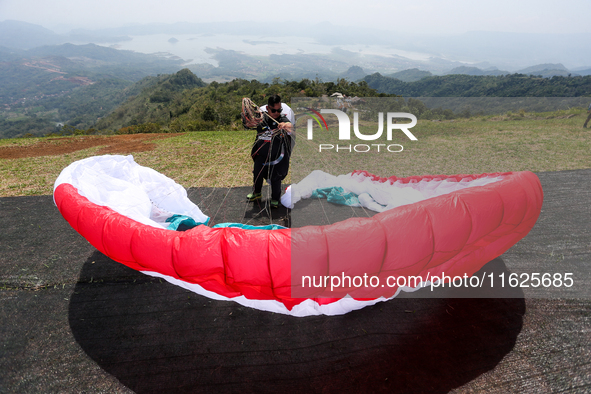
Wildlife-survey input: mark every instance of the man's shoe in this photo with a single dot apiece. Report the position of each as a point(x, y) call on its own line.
point(274, 204)
point(253, 197)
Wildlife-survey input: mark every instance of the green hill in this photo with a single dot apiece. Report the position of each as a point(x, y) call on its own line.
point(182, 102)
point(44, 87)
point(513, 85)
point(476, 71)
point(158, 100)
point(411, 75)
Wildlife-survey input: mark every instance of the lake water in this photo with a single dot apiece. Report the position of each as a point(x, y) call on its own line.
point(191, 47)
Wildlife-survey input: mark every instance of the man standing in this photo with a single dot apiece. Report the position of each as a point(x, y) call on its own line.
point(271, 151)
point(588, 117)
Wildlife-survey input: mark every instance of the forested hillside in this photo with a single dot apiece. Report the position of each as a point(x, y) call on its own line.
point(43, 88)
point(92, 102)
point(512, 85)
point(410, 75)
point(182, 102)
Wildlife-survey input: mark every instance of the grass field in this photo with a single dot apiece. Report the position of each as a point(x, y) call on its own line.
point(535, 142)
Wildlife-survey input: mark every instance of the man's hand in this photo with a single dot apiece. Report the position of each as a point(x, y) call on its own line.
point(285, 126)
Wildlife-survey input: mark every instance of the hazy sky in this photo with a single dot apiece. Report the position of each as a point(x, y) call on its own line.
point(413, 16)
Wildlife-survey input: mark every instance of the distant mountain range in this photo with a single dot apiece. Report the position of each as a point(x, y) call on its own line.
point(472, 53)
point(544, 70)
point(466, 85)
point(23, 35)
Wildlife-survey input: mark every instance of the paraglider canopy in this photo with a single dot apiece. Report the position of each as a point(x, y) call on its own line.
point(431, 225)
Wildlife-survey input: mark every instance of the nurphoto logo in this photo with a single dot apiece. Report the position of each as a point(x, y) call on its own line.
point(345, 130)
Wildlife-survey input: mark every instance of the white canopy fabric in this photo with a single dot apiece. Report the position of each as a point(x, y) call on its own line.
point(378, 196)
point(138, 192)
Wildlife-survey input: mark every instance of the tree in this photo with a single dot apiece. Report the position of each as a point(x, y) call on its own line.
point(208, 114)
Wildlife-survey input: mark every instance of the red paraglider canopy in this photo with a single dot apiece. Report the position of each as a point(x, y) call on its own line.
point(453, 234)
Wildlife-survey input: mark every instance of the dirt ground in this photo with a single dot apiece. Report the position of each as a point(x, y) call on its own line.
point(116, 144)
